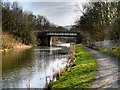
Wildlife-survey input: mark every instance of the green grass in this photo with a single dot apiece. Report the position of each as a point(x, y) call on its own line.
point(81, 74)
point(113, 51)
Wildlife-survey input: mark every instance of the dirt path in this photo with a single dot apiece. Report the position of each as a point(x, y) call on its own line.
point(108, 73)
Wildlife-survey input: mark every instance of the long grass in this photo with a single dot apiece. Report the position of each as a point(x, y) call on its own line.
point(10, 42)
point(112, 51)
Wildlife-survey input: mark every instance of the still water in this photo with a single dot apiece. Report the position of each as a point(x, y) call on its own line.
point(29, 68)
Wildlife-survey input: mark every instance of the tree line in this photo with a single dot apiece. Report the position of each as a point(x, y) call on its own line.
point(100, 21)
point(22, 24)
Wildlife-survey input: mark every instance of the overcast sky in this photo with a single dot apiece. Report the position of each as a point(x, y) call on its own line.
point(59, 12)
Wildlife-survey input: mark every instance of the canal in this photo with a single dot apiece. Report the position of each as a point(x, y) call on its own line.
point(29, 68)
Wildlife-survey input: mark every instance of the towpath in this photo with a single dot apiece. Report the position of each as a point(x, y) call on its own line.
point(108, 72)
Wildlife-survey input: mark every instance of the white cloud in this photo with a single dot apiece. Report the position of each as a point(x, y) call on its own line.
point(60, 13)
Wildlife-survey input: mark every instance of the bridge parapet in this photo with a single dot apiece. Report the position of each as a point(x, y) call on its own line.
point(46, 35)
point(54, 31)
point(62, 34)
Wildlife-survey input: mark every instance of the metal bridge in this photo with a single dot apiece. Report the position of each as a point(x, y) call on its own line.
point(44, 36)
point(61, 34)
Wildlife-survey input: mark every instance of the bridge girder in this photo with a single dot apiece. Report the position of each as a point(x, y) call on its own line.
point(45, 36)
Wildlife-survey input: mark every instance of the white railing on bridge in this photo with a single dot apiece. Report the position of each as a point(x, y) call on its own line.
point(63, 34)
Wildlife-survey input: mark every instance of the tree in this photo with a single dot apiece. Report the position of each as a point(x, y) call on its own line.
point(18, 23)
point(99, 21)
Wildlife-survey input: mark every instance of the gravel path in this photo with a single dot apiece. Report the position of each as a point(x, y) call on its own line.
point(108, 73)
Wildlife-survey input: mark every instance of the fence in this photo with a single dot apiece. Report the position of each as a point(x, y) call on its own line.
point(108, 43)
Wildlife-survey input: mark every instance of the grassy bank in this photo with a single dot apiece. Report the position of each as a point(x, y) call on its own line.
point(80, 74)
point(9, 42)
point(113, 51)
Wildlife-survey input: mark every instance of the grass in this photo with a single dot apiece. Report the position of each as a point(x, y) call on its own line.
point(9, 42)
point(113, 51)
point(80, 74)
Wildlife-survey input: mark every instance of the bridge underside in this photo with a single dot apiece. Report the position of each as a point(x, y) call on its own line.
point(44, 39)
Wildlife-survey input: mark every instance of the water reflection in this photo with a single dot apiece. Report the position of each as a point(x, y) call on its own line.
point(29, 68)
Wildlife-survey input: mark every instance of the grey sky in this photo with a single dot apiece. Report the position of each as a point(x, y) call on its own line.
point(60, 12)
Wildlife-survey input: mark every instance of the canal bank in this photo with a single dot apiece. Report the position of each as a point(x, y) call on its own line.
point(36, 67)
point(80, 74)
point(10, 43)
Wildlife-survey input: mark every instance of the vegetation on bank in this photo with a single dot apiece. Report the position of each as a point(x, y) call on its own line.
point(18, 23)
point(100, 21)
point(113, 51)
point(9, 42)
point(80, 74)
point(22, 24)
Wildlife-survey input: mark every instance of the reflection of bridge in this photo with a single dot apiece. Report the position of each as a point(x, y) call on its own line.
point(44, 36)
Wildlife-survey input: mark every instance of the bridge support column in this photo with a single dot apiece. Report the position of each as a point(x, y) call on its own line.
point(78, 38)
point(44, 40)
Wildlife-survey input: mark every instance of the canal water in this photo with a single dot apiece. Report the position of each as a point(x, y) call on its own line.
point(29, 68)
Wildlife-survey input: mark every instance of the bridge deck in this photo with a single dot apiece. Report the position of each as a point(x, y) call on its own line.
point(62, 34)
point(47, 31)
point(58, 33)
point(45, 36)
